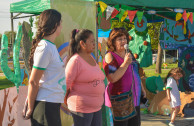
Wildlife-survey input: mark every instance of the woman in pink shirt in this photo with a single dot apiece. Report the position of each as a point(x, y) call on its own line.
point(84, 79)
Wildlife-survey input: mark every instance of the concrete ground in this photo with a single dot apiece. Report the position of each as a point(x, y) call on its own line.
point(157, 120)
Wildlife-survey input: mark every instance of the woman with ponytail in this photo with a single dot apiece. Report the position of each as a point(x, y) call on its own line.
point(47, 76)
point(84, 80)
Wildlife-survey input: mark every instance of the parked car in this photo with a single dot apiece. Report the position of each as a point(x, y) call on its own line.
point(169, 58)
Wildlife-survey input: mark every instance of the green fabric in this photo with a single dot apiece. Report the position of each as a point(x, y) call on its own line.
point(169, 88)
point(137, 47)
point(159, 83)
point(153, 3)
point(39, 68)
point(30, 6)
point(154, 84)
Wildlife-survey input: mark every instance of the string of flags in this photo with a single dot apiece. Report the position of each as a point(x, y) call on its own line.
point(185, 17)
point(113, 12)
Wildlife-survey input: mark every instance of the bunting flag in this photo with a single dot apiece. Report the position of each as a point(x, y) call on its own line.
point(188, 14)
point(121, 14)
point(114, 13)
point(185, 16)
point(178, 16)
point(185, 30)
point(191, 18)
point(124, 16)
point(109, 11)
point(131, 15)
point(139, 16)
point(103, 6)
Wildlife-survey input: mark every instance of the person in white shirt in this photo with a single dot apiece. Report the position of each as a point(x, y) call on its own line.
point(172, 82)
point(47, 78)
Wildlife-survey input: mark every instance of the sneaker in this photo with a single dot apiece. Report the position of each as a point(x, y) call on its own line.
point(171, 124)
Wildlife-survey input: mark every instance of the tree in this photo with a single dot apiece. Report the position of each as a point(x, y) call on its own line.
point(8, 34)
point(159, 60)
point(36, 22)
point(154, 31)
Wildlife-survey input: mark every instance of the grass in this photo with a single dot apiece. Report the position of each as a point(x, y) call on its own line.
point(150, 71)
point(5, 83)
point(169, 66)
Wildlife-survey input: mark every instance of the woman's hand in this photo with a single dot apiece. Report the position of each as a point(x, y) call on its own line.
point(127, 59)
point(28, 114)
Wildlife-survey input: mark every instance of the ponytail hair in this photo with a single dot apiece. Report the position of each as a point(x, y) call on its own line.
point(48, 22)
point(76, 37)
point(174, 71)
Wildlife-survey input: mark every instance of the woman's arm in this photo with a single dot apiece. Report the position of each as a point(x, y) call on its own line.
point(114, 77)
point(33, 88)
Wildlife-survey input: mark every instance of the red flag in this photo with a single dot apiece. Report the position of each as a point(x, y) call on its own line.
point(185, 16)
point(114, 13)
point(131, 15)
point(191, 18)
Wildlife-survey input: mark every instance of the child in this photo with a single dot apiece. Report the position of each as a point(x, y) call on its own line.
point(173, 92)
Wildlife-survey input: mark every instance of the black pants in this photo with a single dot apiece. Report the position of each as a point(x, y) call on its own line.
point(46, 114)
point(87, 119)
point(135, 121)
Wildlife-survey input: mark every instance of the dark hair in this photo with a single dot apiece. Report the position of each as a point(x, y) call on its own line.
point(76, 37)
point(116, 32)
point(48, 22)
point(173, 71)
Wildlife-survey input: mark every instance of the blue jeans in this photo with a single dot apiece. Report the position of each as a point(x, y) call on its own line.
point(87, 119)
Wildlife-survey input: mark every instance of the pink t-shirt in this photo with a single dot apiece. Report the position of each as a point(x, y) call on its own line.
point(86, 83)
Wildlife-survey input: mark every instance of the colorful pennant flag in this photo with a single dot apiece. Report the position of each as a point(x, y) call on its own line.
point(178, 16)
point(185, 16)
point(131, 15)
point(188, 14)
point(139, 16)
point(121, 14)
point(109, 11)
point(124, 16)
point(114, 13)
point(103, 6)
point(185, 30)
point(191, 18)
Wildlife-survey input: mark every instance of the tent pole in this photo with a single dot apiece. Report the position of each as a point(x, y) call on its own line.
point(12, 30)
point(16, 15)
point(96, 52)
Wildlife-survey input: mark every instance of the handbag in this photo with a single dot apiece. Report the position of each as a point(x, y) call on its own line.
point(122, 105)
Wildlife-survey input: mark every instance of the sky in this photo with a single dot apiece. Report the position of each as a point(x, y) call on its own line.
point(5, 21)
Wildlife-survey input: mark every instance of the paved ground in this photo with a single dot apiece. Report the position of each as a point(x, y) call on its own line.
point(157, 120)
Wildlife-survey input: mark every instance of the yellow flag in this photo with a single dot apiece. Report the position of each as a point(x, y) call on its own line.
point(188, 14)
point(103, 6)
point(124, 16)
point(178, 16)
point(185, 30)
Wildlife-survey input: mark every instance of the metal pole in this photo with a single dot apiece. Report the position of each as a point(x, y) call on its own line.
point(12, 30)
point(96, 52)
point(164, 56)
point(177, 54)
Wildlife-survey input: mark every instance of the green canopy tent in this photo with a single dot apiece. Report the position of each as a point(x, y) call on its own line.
point(164, 8)
point(30, 7)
